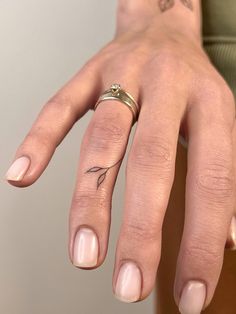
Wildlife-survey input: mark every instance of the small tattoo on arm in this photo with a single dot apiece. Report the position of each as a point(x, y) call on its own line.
point(188, 4)
point(103, 171)
point(165, 5)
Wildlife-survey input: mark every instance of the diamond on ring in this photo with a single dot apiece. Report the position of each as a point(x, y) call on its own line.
point(115, 88)
point(115, 92)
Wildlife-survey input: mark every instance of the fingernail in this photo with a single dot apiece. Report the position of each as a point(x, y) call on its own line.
point(193, 298)
point(233, 234)
point(18, 169)
point(85, 248)
point(128, 285)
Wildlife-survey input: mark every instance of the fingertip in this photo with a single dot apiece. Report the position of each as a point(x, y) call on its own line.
point(18, 169)
point(231, 239)
point(193, 297)
point(24, 171)
point(20, 184)
point(16, 175)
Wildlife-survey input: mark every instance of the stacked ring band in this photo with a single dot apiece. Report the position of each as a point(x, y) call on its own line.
point(117, 93)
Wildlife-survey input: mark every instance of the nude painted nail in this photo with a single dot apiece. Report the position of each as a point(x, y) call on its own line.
point(85, 248)
point(232, 231)
point(128, 285)
point(193, 298)
point(18, 169)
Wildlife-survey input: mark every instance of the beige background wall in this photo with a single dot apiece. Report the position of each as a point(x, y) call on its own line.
point(42, 44)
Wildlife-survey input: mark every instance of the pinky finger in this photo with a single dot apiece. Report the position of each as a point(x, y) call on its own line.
point(54, 121)
point(231, 239)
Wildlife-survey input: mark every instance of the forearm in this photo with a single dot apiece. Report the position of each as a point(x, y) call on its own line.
point(180, 16)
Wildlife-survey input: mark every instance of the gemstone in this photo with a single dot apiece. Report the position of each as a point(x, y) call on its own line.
point(115, 88)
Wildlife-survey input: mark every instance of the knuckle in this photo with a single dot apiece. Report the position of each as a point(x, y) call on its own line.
point(216, 182)
point(228, 93)
point(85, 203)
point(151, 153)
point(165, 56)
point(131, 57)
point(212, 84)
point(59, 99)
point(38, 136)
point(141, 230)
point(170, 68)
point(229, 100)
point(60, 108)
point(210, 90)
point(205, 254)
point(217, 93)
point(216, 100)
point(167, 61)
point(103, 134)
point(62, 103)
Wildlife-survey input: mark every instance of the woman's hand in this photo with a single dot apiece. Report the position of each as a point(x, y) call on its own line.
point(166, 70)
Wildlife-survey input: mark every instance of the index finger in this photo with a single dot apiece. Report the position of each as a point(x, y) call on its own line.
point(54, 121)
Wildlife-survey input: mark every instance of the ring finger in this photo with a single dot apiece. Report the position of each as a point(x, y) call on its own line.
point(102, 150)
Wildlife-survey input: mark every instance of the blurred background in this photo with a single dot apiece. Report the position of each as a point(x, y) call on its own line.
point(42, 44)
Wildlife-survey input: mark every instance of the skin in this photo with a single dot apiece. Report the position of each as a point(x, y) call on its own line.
point(224, 297)
point(157, 56)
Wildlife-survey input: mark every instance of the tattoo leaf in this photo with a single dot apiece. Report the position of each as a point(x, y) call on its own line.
point(101, 179)
point(166, 4)
point(188, 4)
point(94, 169)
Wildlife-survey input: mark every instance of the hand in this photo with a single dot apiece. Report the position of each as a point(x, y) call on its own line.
point(179, 91)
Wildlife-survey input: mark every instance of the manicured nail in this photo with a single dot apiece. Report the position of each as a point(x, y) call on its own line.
point(128, 285)
point(193, 298)
point(233, 234)
point(18, 169)
point(85, 248)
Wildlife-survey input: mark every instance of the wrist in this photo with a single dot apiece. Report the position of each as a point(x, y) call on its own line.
point(179, 18)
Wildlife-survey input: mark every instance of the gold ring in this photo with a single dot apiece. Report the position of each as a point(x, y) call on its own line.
point(117, 93)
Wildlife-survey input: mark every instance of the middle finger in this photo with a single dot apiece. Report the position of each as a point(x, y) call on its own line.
point(150, 174)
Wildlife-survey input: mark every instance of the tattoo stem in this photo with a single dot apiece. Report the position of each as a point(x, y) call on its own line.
point(102, 176)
